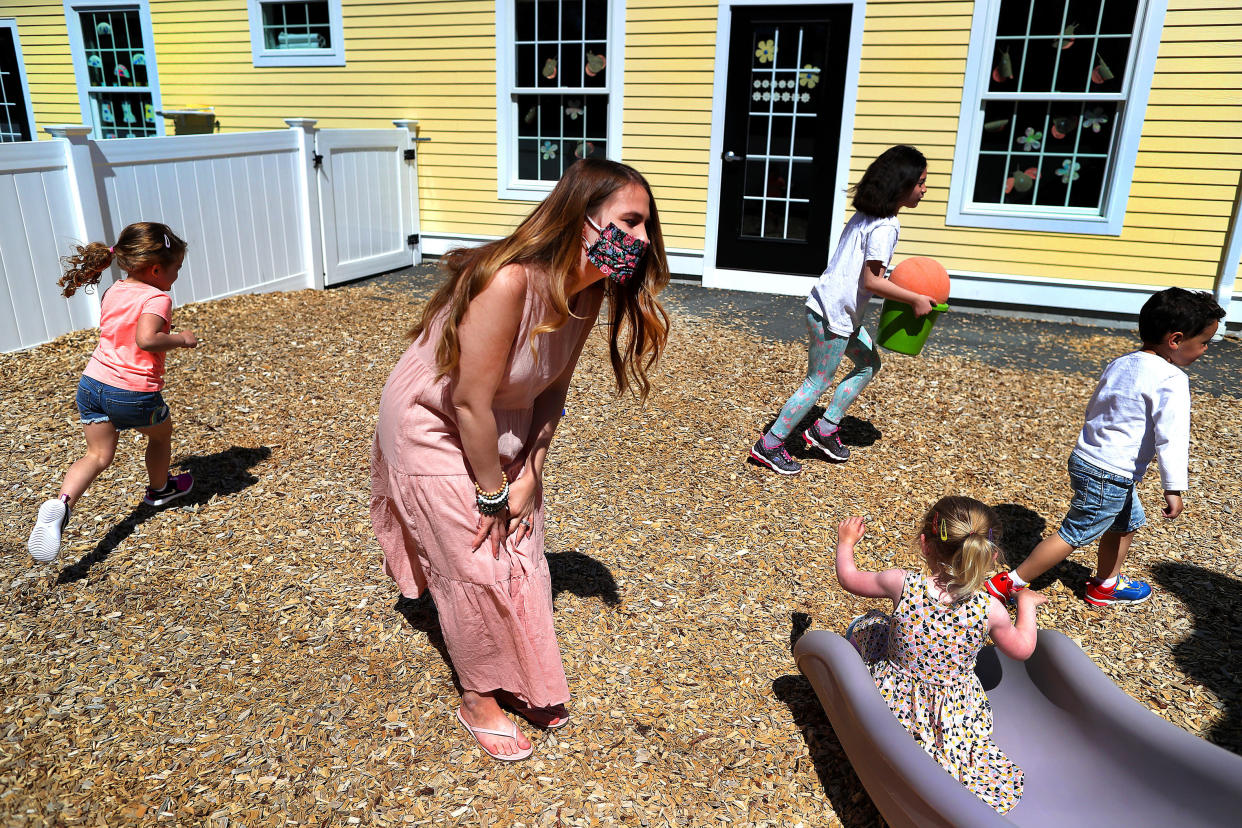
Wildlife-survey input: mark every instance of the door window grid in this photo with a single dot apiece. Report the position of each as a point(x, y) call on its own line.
point(14, 124)
point(558, 140)
point(1053, 184)
point(116, 60)
point(787, 200)
point(305, 25)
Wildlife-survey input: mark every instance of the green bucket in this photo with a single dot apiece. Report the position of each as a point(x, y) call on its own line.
point(902, 331)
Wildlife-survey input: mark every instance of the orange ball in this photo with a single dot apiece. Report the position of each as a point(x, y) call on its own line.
point(923, 275)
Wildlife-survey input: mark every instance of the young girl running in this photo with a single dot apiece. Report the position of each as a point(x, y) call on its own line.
point(120, 387)
point(898, 178)
point(922, 657)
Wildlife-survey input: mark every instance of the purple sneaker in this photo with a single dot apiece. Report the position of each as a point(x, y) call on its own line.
point(829, 444)
point(178, 485)
point(776, 459)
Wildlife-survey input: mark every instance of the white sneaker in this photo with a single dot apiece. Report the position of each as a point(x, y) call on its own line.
point(44, 543)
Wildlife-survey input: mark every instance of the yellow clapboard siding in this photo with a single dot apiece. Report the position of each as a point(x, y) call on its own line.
point(1038, 243)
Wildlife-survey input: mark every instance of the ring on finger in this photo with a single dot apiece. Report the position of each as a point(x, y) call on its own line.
point(525, 522)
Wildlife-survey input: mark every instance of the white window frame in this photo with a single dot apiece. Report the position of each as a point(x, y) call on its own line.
point(11, 23)
point(509, 186)
point(1132, 106)
point(77, 51)
point(262, 56)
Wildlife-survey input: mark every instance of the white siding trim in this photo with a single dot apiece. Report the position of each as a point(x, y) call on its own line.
point(11, 23)
point(1139, 72)
point(77, 51)
point(508, 185)
point(718, 277)
point(263, 56)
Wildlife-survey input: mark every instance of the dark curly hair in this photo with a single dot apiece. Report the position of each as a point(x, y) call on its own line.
point(1177, 309)
point(888, 180)
point(141, 244)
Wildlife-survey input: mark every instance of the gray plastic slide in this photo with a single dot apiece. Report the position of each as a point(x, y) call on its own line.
point(1092, 755)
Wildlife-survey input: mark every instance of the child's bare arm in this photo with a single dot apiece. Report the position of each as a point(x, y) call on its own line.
point(886, 584)
point(149, 335)
point(1015, 640)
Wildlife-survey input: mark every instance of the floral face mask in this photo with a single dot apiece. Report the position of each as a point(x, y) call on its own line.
point(616, 253)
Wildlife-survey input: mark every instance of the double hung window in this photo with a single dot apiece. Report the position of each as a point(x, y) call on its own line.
point(16, 118)
point(296, 33)
point(1052, 110)
point(115, 67)
point(557, 100)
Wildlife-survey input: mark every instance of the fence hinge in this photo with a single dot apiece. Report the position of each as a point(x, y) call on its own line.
point(412, 240)
point(318, 159)
point(410, 154)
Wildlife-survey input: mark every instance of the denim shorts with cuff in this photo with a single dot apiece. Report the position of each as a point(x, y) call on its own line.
point(1102, 502)
point(99, 403)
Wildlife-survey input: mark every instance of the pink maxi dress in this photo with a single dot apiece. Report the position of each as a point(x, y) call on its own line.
point(496, 615)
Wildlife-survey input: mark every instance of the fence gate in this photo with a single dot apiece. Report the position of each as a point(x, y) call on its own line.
point(368, 198)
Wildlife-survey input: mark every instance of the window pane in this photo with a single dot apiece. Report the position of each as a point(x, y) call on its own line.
point(123, 114)
point(303, 25)
point(556, 130)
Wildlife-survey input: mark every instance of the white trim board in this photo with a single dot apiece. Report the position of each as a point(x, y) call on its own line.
point(718, 277)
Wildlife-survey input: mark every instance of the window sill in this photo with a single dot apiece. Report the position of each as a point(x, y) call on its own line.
point(299, 57)
point(1084, 225)
point(526, 191)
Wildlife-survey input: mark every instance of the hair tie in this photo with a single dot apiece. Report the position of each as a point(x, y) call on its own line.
point(109, 249)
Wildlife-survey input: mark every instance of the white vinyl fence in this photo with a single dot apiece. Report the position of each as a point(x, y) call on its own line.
point(261, 211)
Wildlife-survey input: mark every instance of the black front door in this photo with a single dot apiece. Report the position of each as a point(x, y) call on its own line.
point(783, 100)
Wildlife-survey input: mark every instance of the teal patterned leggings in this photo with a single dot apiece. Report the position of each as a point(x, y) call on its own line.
point(825, 352)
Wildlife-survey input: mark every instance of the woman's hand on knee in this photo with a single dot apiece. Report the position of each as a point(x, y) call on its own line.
point(494, 527)
point(524, 496)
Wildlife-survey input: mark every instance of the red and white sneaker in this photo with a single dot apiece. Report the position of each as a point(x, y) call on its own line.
point(1001, 587)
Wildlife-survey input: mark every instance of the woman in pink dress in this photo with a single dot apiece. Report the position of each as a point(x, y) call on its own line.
point(468, 414)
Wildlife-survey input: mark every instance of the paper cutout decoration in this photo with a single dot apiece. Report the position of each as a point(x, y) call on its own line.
point(1021, 180)
point(809, 76)
point(529, 117)
point(594, 64)
point(1066, 39)
point(139, 59)
point(105, 112)
point(549, 68)
point(584, 149)
point(548, 150)
point(573, 109)
point(1062, 127)
point(1031, 139)
point(103, 29)
point(1003, 70)
point(995, 126)
point(1068, 171)
point(766, 51)
point(1101, 72)
point(148, 112)
point(94, 61)
point(122, 72)
point(1095, 118)
point(127, 113)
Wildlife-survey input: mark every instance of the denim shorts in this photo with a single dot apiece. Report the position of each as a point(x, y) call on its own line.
point(99, 403)
point(1102, 502)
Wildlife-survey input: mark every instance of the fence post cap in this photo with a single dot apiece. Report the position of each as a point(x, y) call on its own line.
point(301, 123)
point(66, 130)
point(407, 123)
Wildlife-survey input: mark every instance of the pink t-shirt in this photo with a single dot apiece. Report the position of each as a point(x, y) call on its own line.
point(118, 361)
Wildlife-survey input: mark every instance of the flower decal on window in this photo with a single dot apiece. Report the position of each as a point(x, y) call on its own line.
point(809, 76)
point(766, 51)
point(1068, 171)
point(573, 109)
point(548, 150)
point(1031, 140)
point(1095, 118)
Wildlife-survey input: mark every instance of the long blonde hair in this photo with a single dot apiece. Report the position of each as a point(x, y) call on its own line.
point(551, 238)
point(140, 244)
point(962, 538)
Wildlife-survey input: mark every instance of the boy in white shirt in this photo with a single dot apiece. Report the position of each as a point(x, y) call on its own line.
point(1140, 410)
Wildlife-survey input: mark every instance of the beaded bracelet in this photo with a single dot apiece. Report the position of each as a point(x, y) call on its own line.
point(493, 503)
point(504, 484)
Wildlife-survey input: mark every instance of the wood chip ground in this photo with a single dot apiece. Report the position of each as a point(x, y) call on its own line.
point(241, 659)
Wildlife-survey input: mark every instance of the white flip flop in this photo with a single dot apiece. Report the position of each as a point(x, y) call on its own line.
point(513, 734)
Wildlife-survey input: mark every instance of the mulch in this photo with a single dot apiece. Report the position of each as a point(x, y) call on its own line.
point(240, 658)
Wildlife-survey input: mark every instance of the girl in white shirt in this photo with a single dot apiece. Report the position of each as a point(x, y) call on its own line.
point(898, 178)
